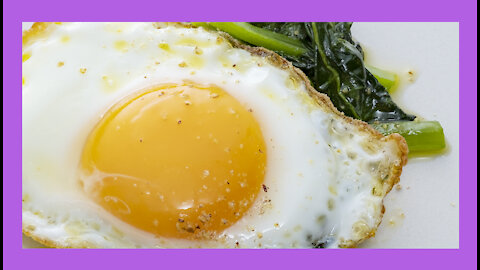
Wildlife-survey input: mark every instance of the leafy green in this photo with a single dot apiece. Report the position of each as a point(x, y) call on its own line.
point(335, 67)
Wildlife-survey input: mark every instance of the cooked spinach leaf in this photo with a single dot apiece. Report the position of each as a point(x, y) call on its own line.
point(335, 66)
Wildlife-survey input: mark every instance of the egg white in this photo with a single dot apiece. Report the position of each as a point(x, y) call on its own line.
point(322, 170)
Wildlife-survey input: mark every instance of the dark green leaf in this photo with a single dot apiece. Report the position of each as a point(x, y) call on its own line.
point(335, 67)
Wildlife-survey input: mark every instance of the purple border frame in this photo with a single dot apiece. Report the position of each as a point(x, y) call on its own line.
point(463, 11)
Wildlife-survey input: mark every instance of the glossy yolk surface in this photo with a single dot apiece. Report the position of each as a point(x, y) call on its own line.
point(181, 161)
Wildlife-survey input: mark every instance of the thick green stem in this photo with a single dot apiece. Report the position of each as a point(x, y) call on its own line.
point(421, 136)
point(386, 78)
point(260, 37)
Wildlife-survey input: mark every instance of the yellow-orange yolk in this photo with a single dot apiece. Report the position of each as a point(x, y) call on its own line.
point(182, 161)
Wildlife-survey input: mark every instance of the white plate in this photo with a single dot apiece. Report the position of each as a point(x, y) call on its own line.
point(424, 213)
point(430, 186)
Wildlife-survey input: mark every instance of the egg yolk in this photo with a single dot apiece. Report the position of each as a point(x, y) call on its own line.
point(181, 161)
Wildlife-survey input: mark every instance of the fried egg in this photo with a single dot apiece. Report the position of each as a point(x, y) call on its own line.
point(161, 135)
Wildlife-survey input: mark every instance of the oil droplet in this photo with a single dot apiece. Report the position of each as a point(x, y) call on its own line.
point(121, 45)
point(26, 56)
point(331, 204)
point(195, 61)
point(165, 47)
point(193, 42)
point(65, 39)
point(333, 190)
point(291, 83)
point(411, 75)
point(109, 84)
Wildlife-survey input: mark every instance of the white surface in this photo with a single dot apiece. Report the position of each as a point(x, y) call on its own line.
point(429, 195)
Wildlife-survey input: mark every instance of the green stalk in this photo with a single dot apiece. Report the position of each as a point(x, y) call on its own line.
point(260, 37)
point(386, 78)
point(421, 136)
